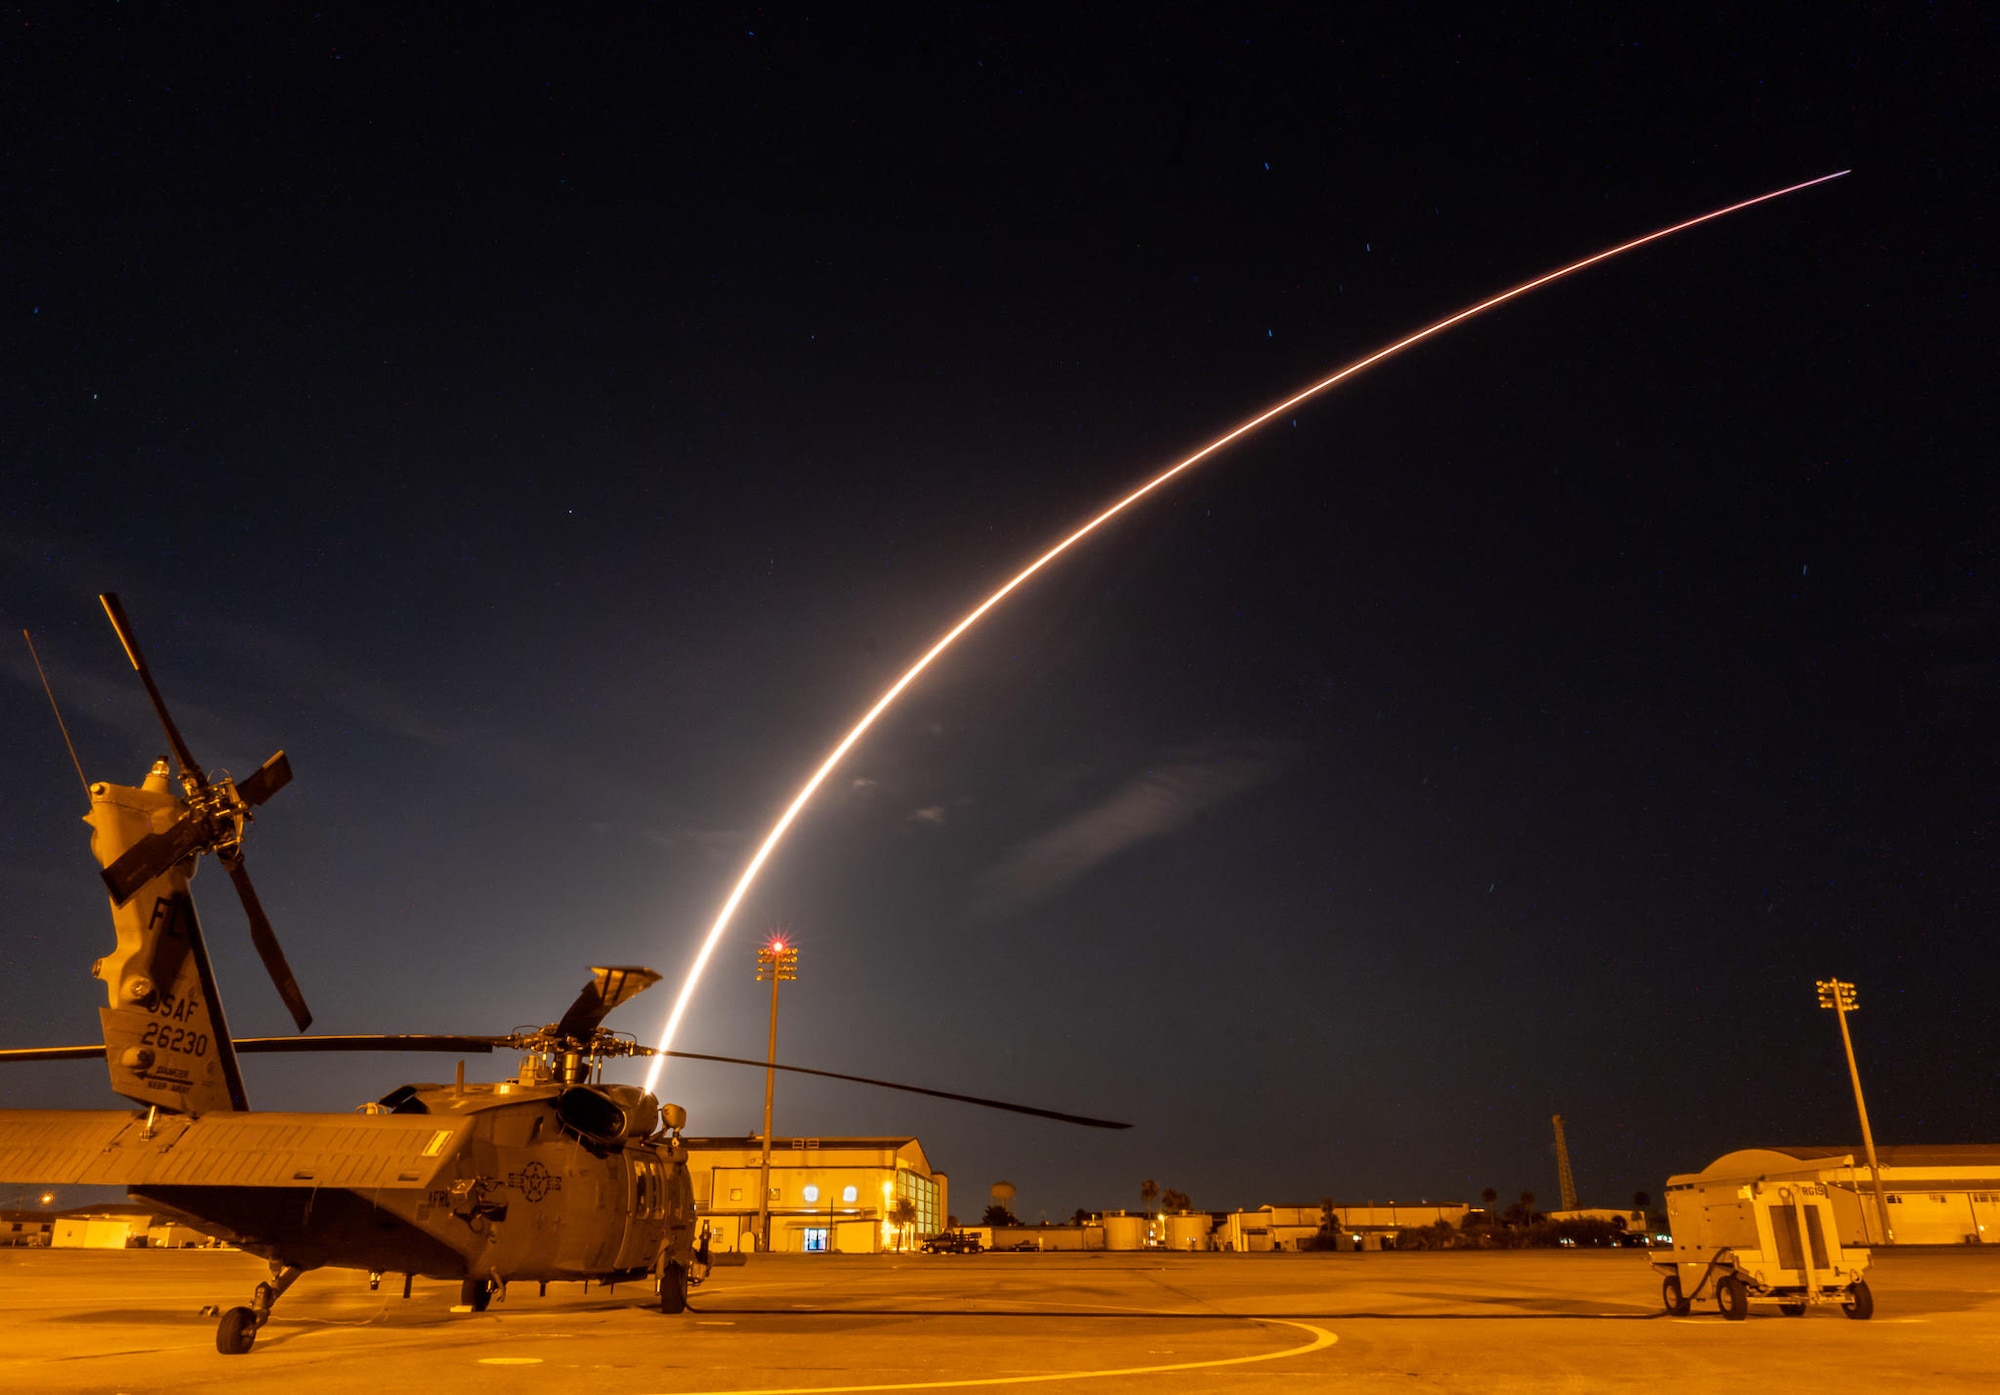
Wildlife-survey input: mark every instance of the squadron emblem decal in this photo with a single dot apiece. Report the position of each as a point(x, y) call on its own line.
point(534, 1181)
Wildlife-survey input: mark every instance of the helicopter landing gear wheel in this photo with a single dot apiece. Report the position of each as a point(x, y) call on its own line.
point(1671, 1297)
point(476, 1294)
point(235, 1333)
point(1732, 1296)
point(238, 1328)
point(1860, 1303)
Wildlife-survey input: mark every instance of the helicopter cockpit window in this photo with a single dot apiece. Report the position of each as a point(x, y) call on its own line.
point(403, 1100)
point(649, 1189)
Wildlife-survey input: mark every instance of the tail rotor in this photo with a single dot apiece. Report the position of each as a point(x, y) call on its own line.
point(214, 817)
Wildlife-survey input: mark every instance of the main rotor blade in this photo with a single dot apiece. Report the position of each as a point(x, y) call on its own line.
point(270, 777)
point(112, 608)
point(152, 855)
point(477, 1046)
point(52, 1053)
point(367, 1041)
point(608, 987)
point(481, 1045)
point(1082, 1119)
point(262, 936)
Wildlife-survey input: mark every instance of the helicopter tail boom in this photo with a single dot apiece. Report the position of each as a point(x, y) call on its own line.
point(165, 1039)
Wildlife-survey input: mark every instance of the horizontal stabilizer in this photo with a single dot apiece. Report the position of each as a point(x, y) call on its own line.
point(107, 1147)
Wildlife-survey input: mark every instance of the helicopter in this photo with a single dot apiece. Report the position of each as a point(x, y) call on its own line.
point(550, 1175)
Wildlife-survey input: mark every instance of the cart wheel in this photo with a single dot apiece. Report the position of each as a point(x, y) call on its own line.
point(1792, 1309)
point(1671, 1297)
point(1732, 1296)
point(1860, 1303)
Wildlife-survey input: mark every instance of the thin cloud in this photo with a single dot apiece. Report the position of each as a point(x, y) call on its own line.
point(1157, 803)
point(710, 844)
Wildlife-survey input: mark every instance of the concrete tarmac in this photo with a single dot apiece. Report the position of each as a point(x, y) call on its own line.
point(78, 1320)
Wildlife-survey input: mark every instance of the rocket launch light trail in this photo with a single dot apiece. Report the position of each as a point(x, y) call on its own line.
point(973, 617)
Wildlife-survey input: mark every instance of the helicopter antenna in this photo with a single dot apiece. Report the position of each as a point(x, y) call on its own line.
point(61, 725)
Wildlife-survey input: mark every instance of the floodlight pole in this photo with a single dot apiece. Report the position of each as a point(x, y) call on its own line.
point(1840, 998)
point(776, 961)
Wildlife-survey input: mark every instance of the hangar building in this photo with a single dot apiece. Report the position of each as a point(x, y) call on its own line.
point(826, 1193)
point(1936, 1194)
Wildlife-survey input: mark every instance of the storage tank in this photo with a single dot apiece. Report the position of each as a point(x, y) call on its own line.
point(1189, 1230)
point(1123, 1232)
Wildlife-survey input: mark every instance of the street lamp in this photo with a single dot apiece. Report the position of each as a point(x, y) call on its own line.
point(1839, 999)
point(777, 962)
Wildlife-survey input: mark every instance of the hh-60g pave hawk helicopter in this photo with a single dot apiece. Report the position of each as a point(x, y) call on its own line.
point(551, 1175)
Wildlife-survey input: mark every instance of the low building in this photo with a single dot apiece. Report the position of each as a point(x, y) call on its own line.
point(1633, 1221)
point(1392, 1218)
point(26, 1229)
point(1038, 1237)
point(1936, 1194)
point(121, 1226)
point(1368, 1225)
point(835, 1194)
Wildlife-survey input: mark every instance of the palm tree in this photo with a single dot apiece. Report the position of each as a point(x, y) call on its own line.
point(1490, 1197)
point(903, 1215)
point(1149, 1192)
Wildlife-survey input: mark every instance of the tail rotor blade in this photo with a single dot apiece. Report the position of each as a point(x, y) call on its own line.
point(270, 777)
point(152, 855)
point(125, 637)
point(268, 949)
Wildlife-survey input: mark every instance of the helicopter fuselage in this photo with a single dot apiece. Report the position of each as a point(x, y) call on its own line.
point(521, 1196)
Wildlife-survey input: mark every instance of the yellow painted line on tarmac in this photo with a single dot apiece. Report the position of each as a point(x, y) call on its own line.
point(510, 1360)
point(1322, 1339)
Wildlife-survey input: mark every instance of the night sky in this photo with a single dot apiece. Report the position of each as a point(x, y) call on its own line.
point(553, 433)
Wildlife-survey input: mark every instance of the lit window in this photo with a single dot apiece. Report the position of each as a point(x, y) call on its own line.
point(812, 1193)
point(848, 1194)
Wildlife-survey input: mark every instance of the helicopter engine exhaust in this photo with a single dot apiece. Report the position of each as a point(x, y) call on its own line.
point(609, 1114)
